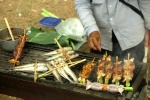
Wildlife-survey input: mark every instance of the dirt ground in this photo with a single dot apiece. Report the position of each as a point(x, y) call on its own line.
point(27, 13)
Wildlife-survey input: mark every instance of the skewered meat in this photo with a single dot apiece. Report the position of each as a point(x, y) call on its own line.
point(117, 75)
point(101, 69)
point(128, 75)
point(128, 67)
point(18, 50)
point(85, 73)
point(108, 69)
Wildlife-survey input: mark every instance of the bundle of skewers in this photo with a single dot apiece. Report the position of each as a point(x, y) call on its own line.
point(60, 62)
point(106, 70)
point(57, 62)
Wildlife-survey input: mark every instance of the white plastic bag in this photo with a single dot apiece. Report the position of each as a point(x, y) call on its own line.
point(71, 26)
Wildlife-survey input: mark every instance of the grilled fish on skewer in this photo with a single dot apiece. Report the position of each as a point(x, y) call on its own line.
point(55, 73)
point(61, 71)
point(60, 55)
point(105, 87)
point(41, 67)
point(68, 70)
point(85, 73)
point(58, 51)
point(70, 64)
point(95, 86)
point(117, 75)
point(71, 56)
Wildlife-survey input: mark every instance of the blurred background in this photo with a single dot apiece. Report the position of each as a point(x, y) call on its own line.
point(27, 13)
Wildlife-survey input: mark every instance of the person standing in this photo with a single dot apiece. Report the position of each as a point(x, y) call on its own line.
point(112, 26)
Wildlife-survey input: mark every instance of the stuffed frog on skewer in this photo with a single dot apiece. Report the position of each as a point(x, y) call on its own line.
point(128, 67)
point(117, 75)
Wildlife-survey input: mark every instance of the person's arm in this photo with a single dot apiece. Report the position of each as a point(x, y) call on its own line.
point(145, 8)
point(83, 8)
point(147, 38)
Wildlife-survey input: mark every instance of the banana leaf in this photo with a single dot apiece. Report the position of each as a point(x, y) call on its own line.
point(40, 37)
point(64, 41)
point(47, 37)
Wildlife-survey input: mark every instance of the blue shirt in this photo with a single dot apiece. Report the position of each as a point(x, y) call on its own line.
point(107, 15)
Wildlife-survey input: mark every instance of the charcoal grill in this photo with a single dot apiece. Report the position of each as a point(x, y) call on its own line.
point(21, 84)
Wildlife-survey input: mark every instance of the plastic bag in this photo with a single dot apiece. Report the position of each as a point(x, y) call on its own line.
point(71, 26)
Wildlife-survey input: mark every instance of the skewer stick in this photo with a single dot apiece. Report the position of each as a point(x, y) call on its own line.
point(62, 50)
point(116, 59)
point(128, 56)
point(10, 32)
point(77, 62)
point(35, 72)
point(58, 43)
point(50, 71)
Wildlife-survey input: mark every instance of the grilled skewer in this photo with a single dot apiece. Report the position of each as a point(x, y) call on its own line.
point(105, 87)
point(101, 69)
point(108, 69)
point(18, 50)
point(117, 75)
point(85, 73)
point(128, 67)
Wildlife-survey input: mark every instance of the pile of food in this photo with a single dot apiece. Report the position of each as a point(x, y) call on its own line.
point(59, 62)
point(106, 70)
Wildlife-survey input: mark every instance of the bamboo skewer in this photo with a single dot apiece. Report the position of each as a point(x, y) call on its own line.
point(70, 63)
point(50, 71)
point(22, 48)
point(62, 49)
point(35, 72)
point(10, 32)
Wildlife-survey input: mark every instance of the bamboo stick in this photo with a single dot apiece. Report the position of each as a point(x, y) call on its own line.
point(10, 32)
point(50, 71)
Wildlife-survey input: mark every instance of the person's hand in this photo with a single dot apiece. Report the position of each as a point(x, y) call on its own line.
point(147, 39)
point(94, 41)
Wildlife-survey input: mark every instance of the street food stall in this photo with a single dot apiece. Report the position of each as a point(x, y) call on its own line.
point(22, 84)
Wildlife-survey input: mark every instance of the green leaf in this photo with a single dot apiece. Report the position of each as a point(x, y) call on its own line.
point(64, 41)
point(40, 37)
